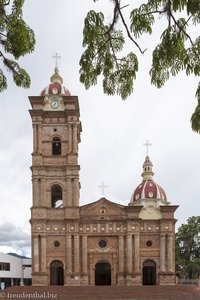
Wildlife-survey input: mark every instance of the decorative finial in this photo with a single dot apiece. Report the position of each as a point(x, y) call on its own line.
point(56, 56)
point(56, 76)
point(147, 144)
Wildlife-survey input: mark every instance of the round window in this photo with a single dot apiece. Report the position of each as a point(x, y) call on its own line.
point(149, 243)
point(102, 243)
point(56, 244)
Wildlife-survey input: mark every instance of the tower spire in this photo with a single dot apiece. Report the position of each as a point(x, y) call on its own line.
point(56, 76)
point(147, 166)
point(56, 56)
point(147, 169)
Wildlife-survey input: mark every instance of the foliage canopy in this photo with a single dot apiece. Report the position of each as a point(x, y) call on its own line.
point(176, 51)
point(16, 39)
point(188, 248)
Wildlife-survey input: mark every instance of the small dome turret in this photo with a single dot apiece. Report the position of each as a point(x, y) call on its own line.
point(148, 188)
point(56, 86)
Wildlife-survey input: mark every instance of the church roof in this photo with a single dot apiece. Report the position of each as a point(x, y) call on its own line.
point(102, 208)
point(56, 86)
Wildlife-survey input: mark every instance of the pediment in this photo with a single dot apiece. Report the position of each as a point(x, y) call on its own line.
point(102, 207)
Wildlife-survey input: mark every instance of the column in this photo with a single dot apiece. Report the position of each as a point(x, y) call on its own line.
point(129, 253)
point(35, 254)
point(170, 253)
point(42, 193)
point(121, 253)
point(75, 140)
point(69, 254)
point(76, 254)
point(162, 253)
point(84, 254)
point(35, 191)
point(34, 138)
point(69, 192)
point(69, 138)
point(39, 138)
point(43, 254)
point(136, 252)
point(76, 192)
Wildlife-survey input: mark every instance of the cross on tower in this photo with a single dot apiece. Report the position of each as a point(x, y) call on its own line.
point(147, 144)
point(102, 187)
point(56, 56)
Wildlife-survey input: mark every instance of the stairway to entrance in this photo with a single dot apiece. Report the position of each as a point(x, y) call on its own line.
point(102, 292)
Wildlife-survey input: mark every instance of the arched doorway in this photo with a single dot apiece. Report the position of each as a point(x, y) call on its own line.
point(102, 273)
point(56, 273)
point(149, 272)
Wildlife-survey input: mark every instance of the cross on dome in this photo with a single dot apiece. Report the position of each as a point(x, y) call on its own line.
point(147, 144)
point(56, 76)
point(56, 56)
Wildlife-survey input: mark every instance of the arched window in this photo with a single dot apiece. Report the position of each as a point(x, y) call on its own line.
point(56, 146)
point(56, 197)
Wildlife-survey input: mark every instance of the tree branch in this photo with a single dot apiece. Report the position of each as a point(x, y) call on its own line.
point(1, 33)
point(127, 30)
point(113, 51)
point(117, 12)
point(181, 29)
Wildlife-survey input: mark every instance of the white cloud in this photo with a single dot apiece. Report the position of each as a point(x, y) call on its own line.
point(14, 239)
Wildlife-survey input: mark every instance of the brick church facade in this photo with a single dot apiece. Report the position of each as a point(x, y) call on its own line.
point(101, 243)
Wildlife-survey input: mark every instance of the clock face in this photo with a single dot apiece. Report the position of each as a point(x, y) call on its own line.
point(54, 103)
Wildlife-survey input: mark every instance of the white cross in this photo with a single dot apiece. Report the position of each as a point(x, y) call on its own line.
point(56, 56)
point(147, 144)
point(103, 186)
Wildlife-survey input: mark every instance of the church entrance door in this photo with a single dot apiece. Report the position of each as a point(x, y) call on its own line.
point(102, 273)
point(56, 273)
point(149, 272)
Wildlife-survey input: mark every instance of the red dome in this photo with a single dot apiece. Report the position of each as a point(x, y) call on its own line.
point(148, 189)
point(56, 86)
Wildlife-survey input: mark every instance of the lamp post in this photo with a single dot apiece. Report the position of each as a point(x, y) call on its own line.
point(22, 279)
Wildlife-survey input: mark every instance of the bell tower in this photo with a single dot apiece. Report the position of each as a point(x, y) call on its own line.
point(55, 178)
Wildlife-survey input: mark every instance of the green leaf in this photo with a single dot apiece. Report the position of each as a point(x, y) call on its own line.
point(195, 118)
point(3, 81)
point(141, 20)
point(20, 76)
point(99, 58)
point(17, 39)
point(20, 38)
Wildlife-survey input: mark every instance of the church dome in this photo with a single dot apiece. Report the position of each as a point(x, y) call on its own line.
point(56, 86)
point(148, 188)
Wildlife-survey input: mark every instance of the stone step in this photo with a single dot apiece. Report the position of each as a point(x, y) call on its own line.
point(102, 292)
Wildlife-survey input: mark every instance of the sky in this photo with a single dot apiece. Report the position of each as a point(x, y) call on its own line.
point(114, 131)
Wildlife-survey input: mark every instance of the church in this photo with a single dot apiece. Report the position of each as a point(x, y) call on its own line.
point(101, 243)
